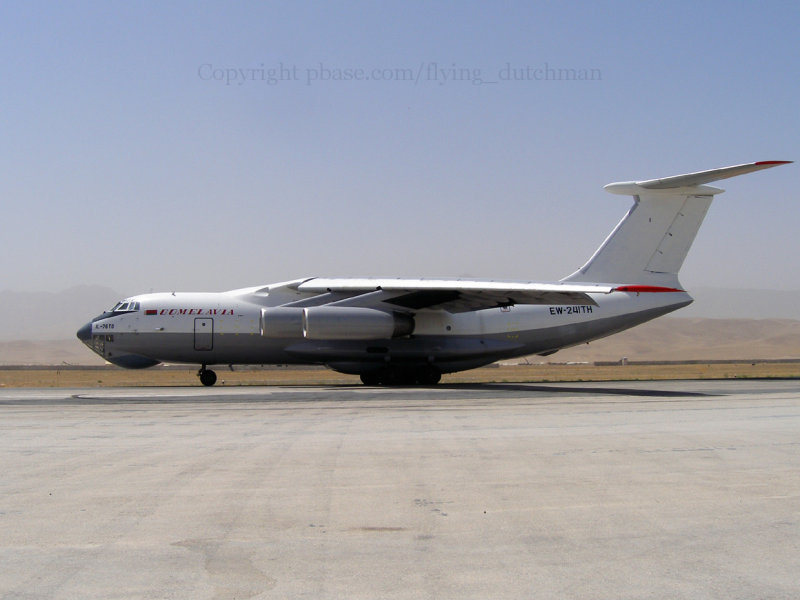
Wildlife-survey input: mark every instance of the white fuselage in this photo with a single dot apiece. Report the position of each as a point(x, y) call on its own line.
point(228, 328)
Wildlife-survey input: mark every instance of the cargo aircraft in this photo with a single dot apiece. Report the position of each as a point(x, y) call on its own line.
point(411, 331)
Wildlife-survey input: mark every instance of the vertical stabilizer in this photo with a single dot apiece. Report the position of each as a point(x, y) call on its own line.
point(650, 243)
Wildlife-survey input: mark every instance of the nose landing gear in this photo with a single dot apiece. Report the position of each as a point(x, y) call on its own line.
point(207, 376)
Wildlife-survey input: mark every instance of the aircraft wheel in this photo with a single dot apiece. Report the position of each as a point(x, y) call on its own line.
point(397, 377)
point(421, 376)
point(428, 376)
point(207, 377)
point(371, 378)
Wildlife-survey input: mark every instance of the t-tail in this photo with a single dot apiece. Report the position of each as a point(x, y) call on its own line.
point(648, 246)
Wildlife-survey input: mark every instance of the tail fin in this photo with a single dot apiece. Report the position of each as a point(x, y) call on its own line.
point(649, 244)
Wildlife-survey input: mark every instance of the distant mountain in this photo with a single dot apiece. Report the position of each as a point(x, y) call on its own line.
point(717, 303)
point(673, 338)
point(51, 315)
point(41, 352)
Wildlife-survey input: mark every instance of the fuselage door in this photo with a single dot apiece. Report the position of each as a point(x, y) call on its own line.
point(203, 334)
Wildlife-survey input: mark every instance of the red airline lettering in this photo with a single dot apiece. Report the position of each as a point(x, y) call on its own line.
point(191, 311)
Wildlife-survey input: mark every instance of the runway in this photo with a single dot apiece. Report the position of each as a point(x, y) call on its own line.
point(582, 490)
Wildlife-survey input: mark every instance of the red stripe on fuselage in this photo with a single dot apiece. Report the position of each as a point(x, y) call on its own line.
point(648, 289)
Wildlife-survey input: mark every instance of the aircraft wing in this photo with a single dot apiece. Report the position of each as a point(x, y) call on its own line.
point(452, 295)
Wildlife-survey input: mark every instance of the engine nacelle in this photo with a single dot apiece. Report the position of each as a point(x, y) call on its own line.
point(334, 323)
point(282, 322)
point(352, 323)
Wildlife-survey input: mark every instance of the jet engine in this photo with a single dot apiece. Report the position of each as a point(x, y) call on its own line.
point(282, 322)
point(334, 323)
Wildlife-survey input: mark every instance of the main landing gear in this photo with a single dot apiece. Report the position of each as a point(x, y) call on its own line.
point(207, 376)
point(402, 376)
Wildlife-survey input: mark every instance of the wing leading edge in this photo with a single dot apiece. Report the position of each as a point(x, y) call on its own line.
point(452, 295)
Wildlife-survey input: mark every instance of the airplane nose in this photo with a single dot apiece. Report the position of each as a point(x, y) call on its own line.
point(85, 333)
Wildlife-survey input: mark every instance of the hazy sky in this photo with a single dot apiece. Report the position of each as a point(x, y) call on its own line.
point(209, 146)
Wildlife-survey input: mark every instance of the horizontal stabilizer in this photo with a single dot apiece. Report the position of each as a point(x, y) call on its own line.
point(692, 179)
point(650, 244)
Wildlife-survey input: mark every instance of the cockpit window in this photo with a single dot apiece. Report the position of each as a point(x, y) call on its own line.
point(125, 307)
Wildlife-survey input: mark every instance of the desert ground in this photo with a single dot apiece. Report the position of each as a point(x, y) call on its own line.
point(115, 377)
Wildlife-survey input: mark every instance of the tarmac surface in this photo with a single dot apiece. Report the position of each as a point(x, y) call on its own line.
point(582, 490)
